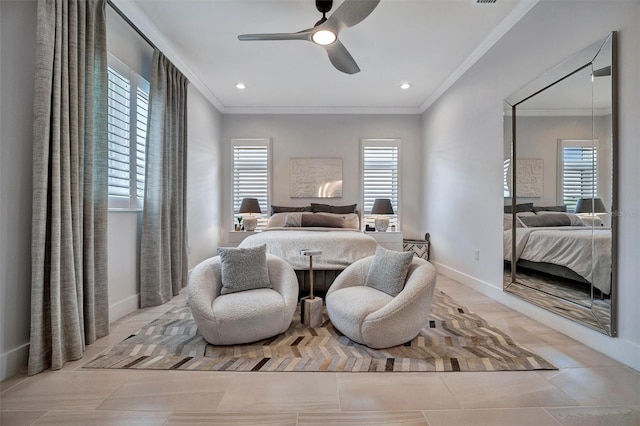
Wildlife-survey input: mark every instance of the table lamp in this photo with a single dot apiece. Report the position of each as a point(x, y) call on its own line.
point(250, 206)
point(591, 211)
point(382, 206)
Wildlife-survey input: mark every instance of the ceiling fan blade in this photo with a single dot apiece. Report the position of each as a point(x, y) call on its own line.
point(301, 35)
point(341, 58)
point(350, 13)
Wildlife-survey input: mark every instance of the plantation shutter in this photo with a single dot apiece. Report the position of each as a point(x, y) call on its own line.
point(579, 172)
point(128, 106)
point(380, 175)
point(142, 111)
point(251, 173)
point(119, 138)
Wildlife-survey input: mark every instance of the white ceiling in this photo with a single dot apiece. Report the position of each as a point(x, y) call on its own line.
point(427, 43)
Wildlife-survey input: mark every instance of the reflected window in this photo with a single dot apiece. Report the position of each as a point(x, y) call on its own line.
point(579, 171)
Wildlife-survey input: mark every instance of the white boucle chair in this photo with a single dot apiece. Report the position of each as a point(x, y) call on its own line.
point(245, 316)
point(374, 318)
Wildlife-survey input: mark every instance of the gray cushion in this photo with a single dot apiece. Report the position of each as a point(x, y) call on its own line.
point(328, 208)
point(543, 220)
point(311, 220)
point(244, 269)
point(549, 209)
point(287, 209)
point(388, 270)
point(524, 207)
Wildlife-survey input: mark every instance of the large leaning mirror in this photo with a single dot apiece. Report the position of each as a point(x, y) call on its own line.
point(559, 189)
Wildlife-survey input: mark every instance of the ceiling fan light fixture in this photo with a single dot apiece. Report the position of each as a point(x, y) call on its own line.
point(324, 37)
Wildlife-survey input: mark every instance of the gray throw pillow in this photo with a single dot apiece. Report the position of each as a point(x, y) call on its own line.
point(328, 208)
point(388, 270)
point(244, 269)
point(317, 220)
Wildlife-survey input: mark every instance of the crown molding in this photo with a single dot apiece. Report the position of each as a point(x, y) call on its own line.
point(518, 12)
point(320, 110)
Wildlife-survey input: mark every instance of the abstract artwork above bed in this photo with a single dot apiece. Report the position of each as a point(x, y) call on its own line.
point(315, 177)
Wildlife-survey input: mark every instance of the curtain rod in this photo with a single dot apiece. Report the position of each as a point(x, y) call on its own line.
point(131, 24)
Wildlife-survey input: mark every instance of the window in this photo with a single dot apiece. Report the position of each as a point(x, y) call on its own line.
point(380, 176)
point(578, 171)
point(506, 177)
point(251, 174)
point(128, 97)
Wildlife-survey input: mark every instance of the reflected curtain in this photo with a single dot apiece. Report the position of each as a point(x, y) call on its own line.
point(69, 306)
point(163, 247)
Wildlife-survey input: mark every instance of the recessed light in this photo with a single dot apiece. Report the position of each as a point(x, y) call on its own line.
point(405, 86)
point(241, 86)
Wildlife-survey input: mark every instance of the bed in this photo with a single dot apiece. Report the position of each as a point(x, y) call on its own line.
point(567, 251)
point(288, 233)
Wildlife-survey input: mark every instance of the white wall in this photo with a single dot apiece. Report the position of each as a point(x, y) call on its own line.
point(204, 174)
point(335, 136)
point(463, 154)
point(17, 56)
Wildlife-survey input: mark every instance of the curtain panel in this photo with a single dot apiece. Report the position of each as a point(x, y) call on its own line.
point(69, 303)
point(163, 246)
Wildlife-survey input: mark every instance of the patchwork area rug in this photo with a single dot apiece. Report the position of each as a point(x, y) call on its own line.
point(455, 339)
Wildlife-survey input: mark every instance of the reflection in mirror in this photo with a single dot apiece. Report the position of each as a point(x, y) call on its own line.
point(559, 223)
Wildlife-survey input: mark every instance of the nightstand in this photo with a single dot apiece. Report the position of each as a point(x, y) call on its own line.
point(388, 240)
point(234, 238)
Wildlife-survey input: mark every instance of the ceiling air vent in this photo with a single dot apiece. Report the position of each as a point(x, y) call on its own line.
point(485, 1)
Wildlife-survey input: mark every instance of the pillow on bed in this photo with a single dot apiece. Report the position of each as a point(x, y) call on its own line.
point(537, 209)
point(244, 269)
point(293, 220)
point(351, 220)
point(552, 219)
point(318, 220)
point(327, 208)
point(285, 209)
point(277, 220)
point(388, 270)
point(525, 207)
point(508, 220)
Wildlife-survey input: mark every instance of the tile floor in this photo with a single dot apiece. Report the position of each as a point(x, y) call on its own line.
point(589, 389)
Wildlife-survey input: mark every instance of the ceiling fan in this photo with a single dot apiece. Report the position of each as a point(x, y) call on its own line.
point(325, 32)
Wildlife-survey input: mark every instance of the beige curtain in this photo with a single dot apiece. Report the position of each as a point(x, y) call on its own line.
point(69, 306)
point(163, 247)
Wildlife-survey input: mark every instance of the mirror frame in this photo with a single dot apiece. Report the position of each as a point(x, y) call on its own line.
point(564, 70)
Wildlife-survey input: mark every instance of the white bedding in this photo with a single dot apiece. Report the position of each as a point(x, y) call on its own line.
point(569, 247)
point(340, 246)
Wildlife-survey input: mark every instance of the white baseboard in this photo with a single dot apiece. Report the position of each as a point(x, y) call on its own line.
point(14, 361)
point(124, 307)
point(617, 348)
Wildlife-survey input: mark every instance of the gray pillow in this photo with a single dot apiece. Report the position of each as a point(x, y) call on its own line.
point(287, 209)
point(388, 270)
point(328, 208)
point(550, 209)
point(543, 220)
point(244, 269)
point(524, 207)
point(311, 220)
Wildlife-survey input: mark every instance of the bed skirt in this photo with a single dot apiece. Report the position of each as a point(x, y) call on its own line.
point(322, 280)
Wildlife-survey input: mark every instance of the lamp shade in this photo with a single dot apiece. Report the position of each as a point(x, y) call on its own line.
point(250, 205)
point(382, 206)
point(590, 205)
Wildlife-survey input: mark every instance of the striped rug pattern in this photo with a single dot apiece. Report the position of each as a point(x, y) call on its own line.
point(455, 339)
